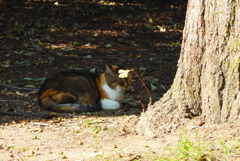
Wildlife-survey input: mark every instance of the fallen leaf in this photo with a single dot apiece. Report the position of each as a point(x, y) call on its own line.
point(76, 43)
point(29, 86)
point(153, 87)
point(19, 93)
point(2, 69)
point(161, 29)
point(34, 79)
point(96, 154)
point(93, 70)
point(89, 56)
point(56, 3)
point(131, 101)
point(87, 45)
point(64, 157)
point(67, 48)
point(108, 45)
point(123, 73)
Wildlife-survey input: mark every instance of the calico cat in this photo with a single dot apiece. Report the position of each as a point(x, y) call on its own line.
point(78, 91)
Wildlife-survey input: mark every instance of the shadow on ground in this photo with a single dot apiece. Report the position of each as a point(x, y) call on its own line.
point(39, 38)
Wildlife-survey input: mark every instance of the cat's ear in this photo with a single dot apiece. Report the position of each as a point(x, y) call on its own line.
point(111, 69)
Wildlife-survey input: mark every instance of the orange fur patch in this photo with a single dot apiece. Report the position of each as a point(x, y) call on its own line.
point(114, 67)
point(45, 102)
point(48, 92)
point(100, 82)
point(63, 97)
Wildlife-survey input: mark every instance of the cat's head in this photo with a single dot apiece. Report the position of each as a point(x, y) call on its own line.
point(113, 79)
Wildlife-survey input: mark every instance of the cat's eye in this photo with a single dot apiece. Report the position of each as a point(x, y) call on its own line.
point(124, 84)
point(121, 83)
point(114, 84)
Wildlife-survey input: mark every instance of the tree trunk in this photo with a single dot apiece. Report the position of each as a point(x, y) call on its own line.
point(207, 82)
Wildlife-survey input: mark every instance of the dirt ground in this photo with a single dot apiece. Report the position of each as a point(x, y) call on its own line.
point(38, 38)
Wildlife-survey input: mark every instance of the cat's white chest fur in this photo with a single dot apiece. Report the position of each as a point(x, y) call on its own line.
point(114, 94)
point(108, 104)
point(115, 97)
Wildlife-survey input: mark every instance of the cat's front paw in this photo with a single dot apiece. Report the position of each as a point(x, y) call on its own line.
point(108, 104)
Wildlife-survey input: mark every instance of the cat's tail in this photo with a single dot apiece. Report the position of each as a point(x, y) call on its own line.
point(49, 104)
point(71, 107)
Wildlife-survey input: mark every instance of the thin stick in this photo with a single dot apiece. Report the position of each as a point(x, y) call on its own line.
point(14, 101)
point(18, 88)
point(10, 113)
point(143, 105)
point(145, 86)
point(39, 123)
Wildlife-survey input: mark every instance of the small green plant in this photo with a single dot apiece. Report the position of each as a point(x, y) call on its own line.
point(230, 149)
point(226, 150)
point(201, 149)
point(94, 125)
point(88, 123)
point(96, 128)
point(11, 146)
point(188, 150)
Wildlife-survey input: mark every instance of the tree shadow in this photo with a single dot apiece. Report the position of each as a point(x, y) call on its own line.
point(39, 38)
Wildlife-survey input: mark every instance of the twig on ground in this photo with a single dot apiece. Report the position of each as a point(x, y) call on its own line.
point(15, 101)
point(142, 105)
point(199, 125)
point(11, 113)
point(40, 123)
point(145, 86)
point(18, 88)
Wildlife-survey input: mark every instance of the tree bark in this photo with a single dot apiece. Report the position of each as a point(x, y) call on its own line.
point(207, 82)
